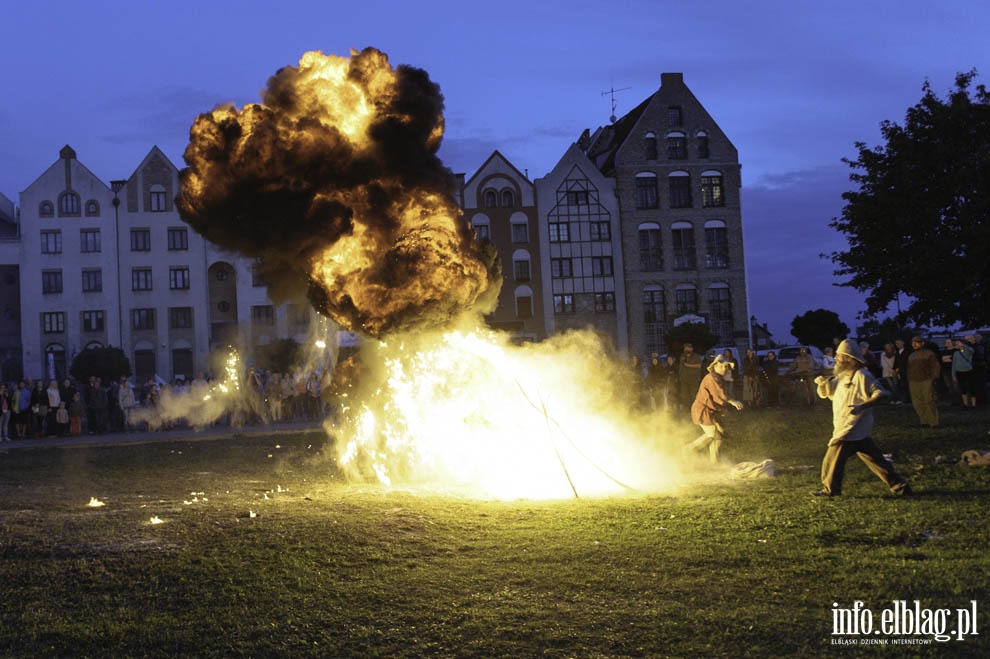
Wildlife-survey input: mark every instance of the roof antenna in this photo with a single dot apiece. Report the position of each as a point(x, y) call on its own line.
point(611, 92)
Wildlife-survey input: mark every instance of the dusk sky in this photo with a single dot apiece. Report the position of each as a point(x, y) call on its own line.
point(792, 84)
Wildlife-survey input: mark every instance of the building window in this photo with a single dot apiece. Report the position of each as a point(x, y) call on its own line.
point(180, 317)
point(646, 190)
point(482, 230)
point(520, 232)
point(223, 274)
point(577, 197)
point(490, 199)
point(601, 266)
point(178, 239)
point(92, 280)
point(51, 281)
point(68, 204)
point(604, 302)
point(93, 321)
point(140, 240)
point(650, 146)
point(299, 314)
point(223, 306)
point(263, 314)
point(601, 232)
point(711, 190)
point(716, 245)
point(89, 240)
point(143, 319)
point(653, 318)
point(720, 306)
point(508, 199)
point(674, 116)
point(156, 199)
point(92, 208)
point(686, 300)
point(51, 242)
point(560, 232)
point(141, 279)
point(46, 209)
point(178, 278)
point(680, 190)
point(650, 248)
point(520, 269)
point(53, 322)
point(563, 303)
point(682, 237)
point(561, 269)
point(702, 139)
point(524, 302)
point(676, 146)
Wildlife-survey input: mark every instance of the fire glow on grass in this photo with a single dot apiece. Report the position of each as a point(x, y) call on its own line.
point(465, 411)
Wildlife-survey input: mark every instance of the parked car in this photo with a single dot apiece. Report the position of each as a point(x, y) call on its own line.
point(787, 354)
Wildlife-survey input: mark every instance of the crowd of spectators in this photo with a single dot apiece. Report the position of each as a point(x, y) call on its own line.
point(31, 410)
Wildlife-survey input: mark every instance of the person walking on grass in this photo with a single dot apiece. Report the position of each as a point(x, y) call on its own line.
point(853, 391)
point(712, 397)
point(923, 369)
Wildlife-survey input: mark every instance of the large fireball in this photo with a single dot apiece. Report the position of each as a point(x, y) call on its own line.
point(334, 183)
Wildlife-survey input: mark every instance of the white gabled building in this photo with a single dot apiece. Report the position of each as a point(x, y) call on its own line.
point(97, 265)
point(68, 265)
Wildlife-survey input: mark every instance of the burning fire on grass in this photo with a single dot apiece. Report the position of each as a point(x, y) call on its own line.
point(333, 183)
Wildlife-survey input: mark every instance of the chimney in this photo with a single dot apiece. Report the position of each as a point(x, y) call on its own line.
point(671, 79)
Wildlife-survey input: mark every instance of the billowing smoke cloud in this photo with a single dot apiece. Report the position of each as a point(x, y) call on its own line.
point(334, 183)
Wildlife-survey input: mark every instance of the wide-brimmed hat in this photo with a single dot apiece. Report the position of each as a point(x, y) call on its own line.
point(850, 349)
point(719, 359)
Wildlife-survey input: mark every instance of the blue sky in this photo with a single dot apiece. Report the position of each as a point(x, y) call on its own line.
point(793, 84)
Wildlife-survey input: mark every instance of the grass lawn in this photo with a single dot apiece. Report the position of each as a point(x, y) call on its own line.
point(263, 551)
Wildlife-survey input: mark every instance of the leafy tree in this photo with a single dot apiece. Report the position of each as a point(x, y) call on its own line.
point(919, 224)
point(696, 334)
point(818, 328)
point(105, 363)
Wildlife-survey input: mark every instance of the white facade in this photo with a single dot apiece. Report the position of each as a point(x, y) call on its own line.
point(116, 266)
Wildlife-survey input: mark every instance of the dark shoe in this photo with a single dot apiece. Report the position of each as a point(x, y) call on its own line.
point(905, 491)
point(823, 493)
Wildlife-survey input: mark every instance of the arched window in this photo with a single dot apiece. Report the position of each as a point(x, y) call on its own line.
point(720, 311)
point(654, 317)
point(46, 209)
point(650, 247)
point(646, 190)
point(686, 299)
point(680, 189)
point(92, 208)
point(701, 137)
point(716, 245)
point(682, 237)
point(650, 146)
point(489, 199)
point(524, 302)
point(482, 227)
point(519, 225)
point(68, 204)
point(711, 189)
point(676, 145)
point(508, 198)
point(521, 265)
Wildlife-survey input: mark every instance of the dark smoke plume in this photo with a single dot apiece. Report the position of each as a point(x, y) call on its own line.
point(333, 182)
